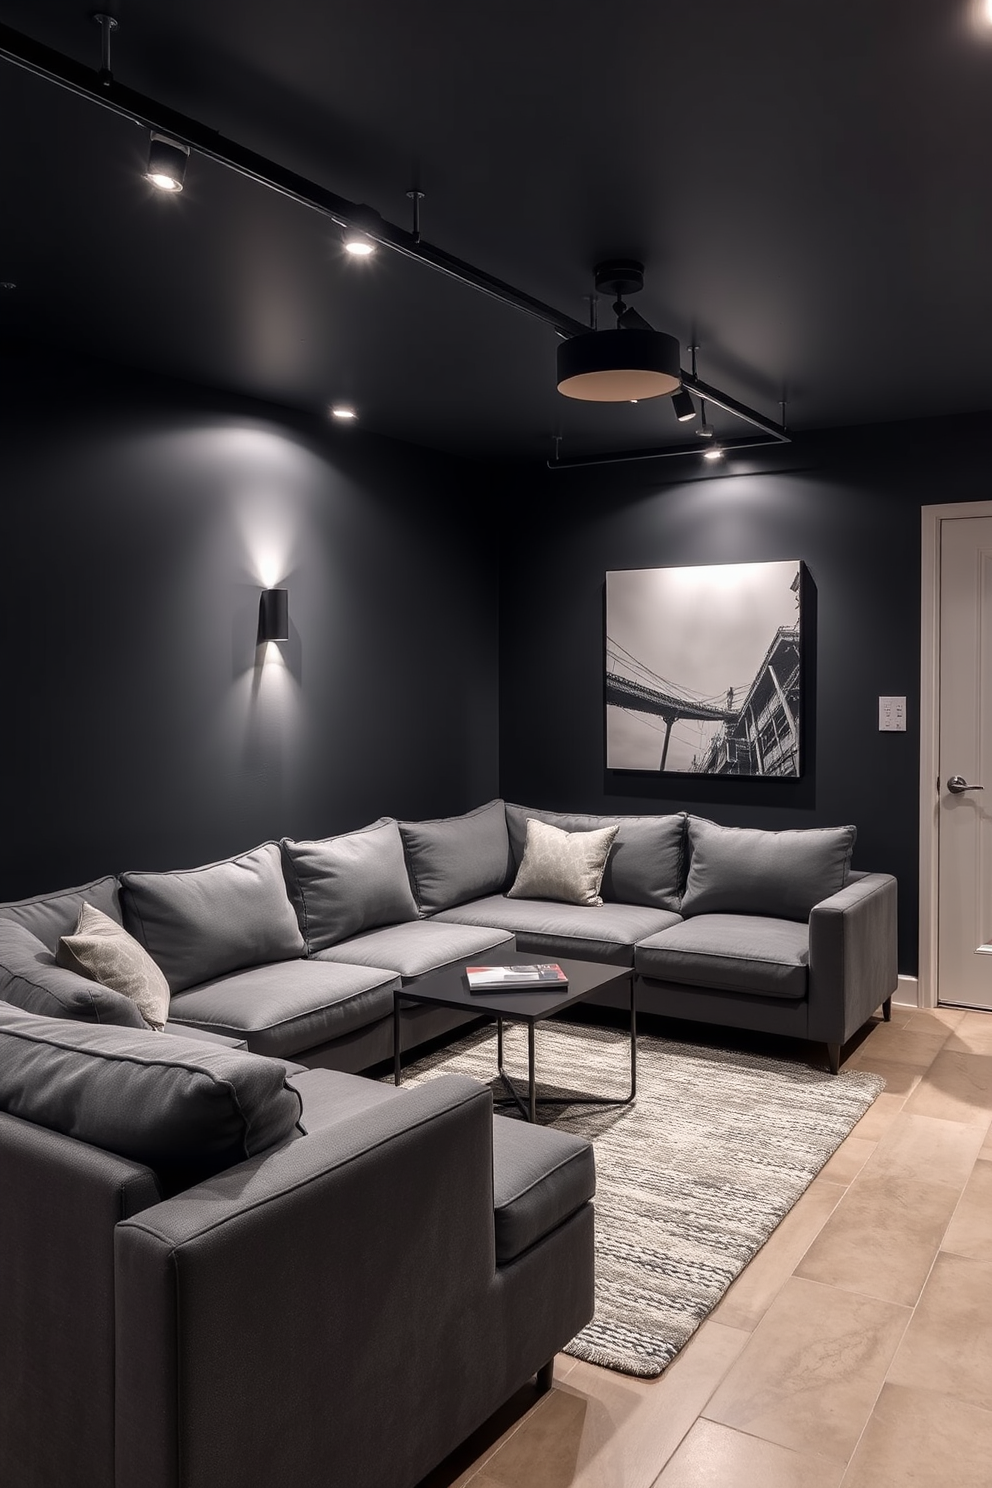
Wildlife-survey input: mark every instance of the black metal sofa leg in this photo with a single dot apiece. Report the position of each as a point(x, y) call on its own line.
point(545, 1377)
point(887, 1010)
point(833, 1055)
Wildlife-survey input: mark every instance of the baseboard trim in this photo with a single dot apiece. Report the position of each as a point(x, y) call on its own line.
point(907, 994)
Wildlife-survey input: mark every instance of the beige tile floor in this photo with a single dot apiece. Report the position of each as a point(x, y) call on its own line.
point(854, 1350)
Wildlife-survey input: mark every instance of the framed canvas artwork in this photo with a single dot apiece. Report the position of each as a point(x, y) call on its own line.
point(703, 669)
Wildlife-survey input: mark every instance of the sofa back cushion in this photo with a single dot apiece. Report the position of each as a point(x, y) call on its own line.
point(48, 916)
point(201, 923)
point(182, 1108)
point(743, 870)
point(342, 885)
point(645, 865)
point(31, 979)
point(457, 858)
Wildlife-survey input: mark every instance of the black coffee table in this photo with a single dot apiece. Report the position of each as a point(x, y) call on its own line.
point(449, 988)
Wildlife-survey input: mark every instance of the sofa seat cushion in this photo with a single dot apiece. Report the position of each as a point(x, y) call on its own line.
point(731, 953)
point(645, 861)
point(606, 932)
point(330, 1096)
point(183, 1108)
point(541, 1177)
point(457, 858)
point(289, 1006)
point(414, 950)
point(30, 978)
point(199, 923)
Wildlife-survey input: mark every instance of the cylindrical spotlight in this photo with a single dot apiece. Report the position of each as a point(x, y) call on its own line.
point(167, 160)
point(684, 407)
point(273, 615)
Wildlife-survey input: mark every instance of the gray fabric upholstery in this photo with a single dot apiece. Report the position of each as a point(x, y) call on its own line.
point(457, 857)
point(367, 1253)
point(852, 956)
point(343, 885)
point(645, 862)
point(413, 950)
point(603, 933)
point(181, 1108)
point(540, 1178)
point(101, 949)
point(564, 866)
point(59, 1203)
point(741, 870)
point(50, 915)
point(736, 953)
point(289, 1006)
point(330, 1096)
point(31, 979)
point(199, 923)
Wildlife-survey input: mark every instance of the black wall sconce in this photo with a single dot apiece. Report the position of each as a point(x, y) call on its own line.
point(273, 615)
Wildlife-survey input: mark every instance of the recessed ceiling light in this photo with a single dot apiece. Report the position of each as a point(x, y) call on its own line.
point(343, 411)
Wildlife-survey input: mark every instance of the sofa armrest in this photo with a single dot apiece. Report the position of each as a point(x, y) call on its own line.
point(853, 965)
point(295, 1313)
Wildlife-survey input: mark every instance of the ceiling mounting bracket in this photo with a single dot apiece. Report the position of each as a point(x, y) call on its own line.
point(416, 197)
point(108, 25)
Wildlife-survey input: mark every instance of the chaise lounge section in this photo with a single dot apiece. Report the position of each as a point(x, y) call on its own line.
point(224, 1270)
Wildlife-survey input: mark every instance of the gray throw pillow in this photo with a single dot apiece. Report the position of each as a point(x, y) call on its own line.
point(565, 866)
point(102, 950)
point(184, 1109)
point(743, 870)
point(201, 923)
point(457, 858)
point(645, 865)
point(342, 885)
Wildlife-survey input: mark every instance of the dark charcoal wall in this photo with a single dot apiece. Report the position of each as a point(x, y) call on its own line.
point(140, 519)
point(849, 507)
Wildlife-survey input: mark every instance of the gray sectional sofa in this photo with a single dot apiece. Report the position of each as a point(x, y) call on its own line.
point(296, 948)
point(221, 1269)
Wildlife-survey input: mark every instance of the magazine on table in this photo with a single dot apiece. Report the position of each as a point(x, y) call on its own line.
point(507, 977)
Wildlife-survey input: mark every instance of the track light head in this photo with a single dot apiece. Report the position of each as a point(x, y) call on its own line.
point(715, 452)
point(684, 407)
point(358, 244)
point(167, 159)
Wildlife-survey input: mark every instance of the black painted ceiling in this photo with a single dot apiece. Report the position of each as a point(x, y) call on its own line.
point(805, 182)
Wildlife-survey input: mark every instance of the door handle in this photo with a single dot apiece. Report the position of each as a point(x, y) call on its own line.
point(957, 784)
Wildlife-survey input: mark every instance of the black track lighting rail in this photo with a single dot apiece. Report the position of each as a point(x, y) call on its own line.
point(86, 82)
point(101, 88)
point(662, 452)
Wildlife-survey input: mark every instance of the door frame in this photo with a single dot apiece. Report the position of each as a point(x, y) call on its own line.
point(932, 516)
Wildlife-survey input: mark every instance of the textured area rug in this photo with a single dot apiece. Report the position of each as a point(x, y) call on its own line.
point(691, 1179)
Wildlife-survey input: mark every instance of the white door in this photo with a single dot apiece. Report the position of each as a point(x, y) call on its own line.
point(964, 764)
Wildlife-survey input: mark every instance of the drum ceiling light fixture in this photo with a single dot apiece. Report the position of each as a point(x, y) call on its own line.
point(624, 365)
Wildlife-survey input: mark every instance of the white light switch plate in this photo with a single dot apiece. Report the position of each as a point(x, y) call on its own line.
point(892, 715)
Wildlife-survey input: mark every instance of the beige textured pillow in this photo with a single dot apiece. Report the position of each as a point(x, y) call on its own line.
point(103, 951)
point(567, 866)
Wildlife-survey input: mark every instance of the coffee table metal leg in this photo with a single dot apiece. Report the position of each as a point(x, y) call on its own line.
point(396, 1038)
point(531, 1084)
point(633, 1041)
